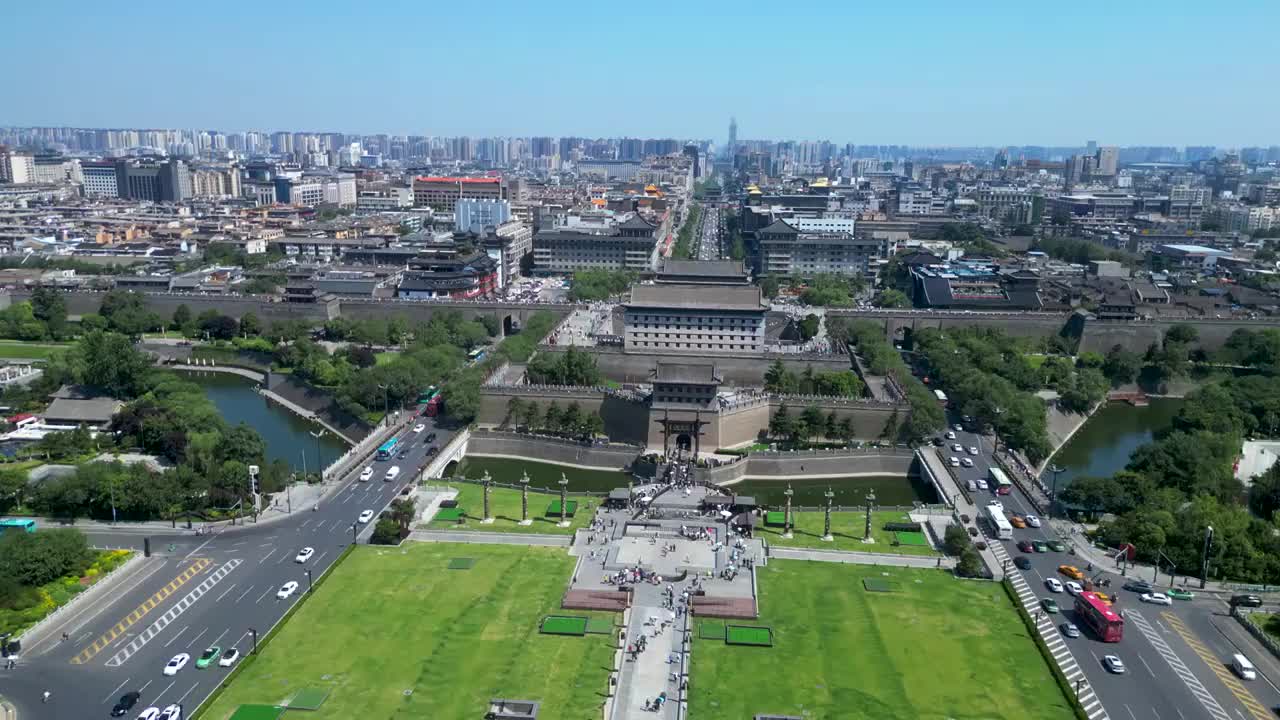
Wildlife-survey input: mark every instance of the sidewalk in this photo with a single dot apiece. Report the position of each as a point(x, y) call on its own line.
point(861, 558)
point(1074, 535)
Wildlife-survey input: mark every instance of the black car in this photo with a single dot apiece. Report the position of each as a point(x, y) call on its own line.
point(1246, 601)
point(432, 450)
point(431, 437)
point(1139, 586)
point(403, 454)
point(1022, 563)
point(127, 701)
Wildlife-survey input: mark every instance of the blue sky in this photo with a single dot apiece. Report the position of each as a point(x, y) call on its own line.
point(926, 72)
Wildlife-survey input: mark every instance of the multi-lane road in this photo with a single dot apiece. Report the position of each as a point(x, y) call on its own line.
point(708, 238)
point(208, 590)
point(1176, 656)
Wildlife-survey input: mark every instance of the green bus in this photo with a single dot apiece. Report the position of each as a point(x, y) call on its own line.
point(26, 524)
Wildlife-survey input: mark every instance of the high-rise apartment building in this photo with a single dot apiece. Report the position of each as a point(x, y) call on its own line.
point(1107, 161)
point(18, 168)
point(100, 179)
point(153, 180)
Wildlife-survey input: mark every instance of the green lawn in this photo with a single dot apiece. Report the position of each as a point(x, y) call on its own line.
point(846, 528)
point(385, 357)
point(505, 506)
point(1268, 623)
point(939, 648)
point(390, 621)
point(19, 350)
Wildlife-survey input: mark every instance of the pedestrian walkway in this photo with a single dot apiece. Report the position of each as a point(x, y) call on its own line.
point(1058, 649)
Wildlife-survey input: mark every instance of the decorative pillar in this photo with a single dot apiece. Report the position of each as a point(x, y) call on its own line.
point(866, 533)
point(697, 435)
point(826, 525)
point(486, 482)
point(564, 501)
point(524, 499)
point(786, 517)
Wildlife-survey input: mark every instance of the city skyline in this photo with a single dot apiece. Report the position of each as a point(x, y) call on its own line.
point(939, 76)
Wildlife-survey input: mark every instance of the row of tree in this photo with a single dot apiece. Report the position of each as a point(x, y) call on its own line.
point(812, 424)
point(683, 248)
point(571, 367)
point(571, 420)
point(592, 285)
point(880, 357)
point(835, 383)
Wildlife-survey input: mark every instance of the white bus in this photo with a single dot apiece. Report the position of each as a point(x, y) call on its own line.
point(1003, 529)
point(942, 397)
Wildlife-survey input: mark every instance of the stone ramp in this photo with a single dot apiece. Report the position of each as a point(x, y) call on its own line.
point(737, 608)
point(609, 600)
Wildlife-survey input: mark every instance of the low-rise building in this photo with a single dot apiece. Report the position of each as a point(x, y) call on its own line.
point(629, 245)
point(445, 275)
point(781, 249)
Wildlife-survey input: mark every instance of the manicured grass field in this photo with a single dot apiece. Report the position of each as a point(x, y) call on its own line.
point(940, 648)
point(19, 350)
point(390, 621)
point(505, 506)
point(846, 528)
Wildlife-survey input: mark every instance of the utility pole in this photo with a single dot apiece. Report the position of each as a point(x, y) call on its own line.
point(786, 519)
point(253, 489)
point(564, 502)
point(1204, 556)
point(826, 525)
point(1053, 498)
point(353, 533)
point(319, 463)
point(308, 579)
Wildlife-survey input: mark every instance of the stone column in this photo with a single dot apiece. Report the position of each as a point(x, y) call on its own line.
point(786, 518)
point(866, 533)
point(487, 483)
point(826, 525)
point(564, 501)
point(524, 499)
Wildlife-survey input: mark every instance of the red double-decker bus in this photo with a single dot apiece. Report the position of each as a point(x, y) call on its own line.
point(1105, 622)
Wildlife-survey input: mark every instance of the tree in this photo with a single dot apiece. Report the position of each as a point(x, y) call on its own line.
point(832, 428)
point(532, 416)
point(50, 308)
point(781, 425)
point(220, 327)
point(38, 558)
point(250, 325)
point(182, 317)
point(111, 362)
point(593, 426)
point(955, 539)
point(1095, 495)
point(385, 532)
point(970, 564)
point(1182, 334)
point(811, 422)
point(891, 298)
point(769, 286)
point(515, 410)
point(1121, 366)
point(809, 326)
point(1264, 493)
point(552, 419)
point(571, 419)
point(358, 355)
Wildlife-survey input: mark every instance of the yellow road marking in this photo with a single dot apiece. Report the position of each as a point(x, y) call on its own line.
point(139, 612)
point(1237, 688)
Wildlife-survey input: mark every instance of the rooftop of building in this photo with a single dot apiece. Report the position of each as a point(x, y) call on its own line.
point(727, 269)
point(686, 373)
point(463, 180)
point(702, 297)
point(1195, 249)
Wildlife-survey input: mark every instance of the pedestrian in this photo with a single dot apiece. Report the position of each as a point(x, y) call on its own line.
point(45, 698)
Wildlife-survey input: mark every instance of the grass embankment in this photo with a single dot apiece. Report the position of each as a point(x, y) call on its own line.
point(505, 507)
point(395, 634)
point(847, 529)
point(935, 648)
point(53, 595)
point(19, 350)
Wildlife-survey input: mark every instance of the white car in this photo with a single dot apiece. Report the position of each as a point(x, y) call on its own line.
point(229, 657)
point(1053, 584)
point(287, 589)
point(1032, 521)
point(973, 450)
point(957, 427)
point(366, 474)
point(1156, 598)
point(951, 435)
point(171, 712)
point(419, 428)
point(304, 554)
point(967, 462)
point(1113, 663)
point(151, 713)
point(365, 517)
point(957, 447)
point(954, 461)
point(1074, 587)
point(982, 484)
point(178, 662)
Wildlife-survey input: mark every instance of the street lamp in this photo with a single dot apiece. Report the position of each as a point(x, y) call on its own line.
point(1053, 497)
point(386, 406)
point(255, 640)
point(319, 466)
point(353, 533)
point(308, 579)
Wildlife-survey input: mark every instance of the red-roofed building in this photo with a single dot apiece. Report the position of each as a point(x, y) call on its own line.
point(443, 193)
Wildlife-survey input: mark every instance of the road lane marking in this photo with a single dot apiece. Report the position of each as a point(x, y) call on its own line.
point(246, 592)
point(113, 692)
point(172, 614)
point(1237, 688)
point(162, 692)
point(185, 694)
point(144, 687)
point(255, 602)
point(268, 555)
point(139, 612)
point(215, 640)
point(1180, 668)
point(1144, 664)
point(176, 635)
point(194, 639)
point(224, 592)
